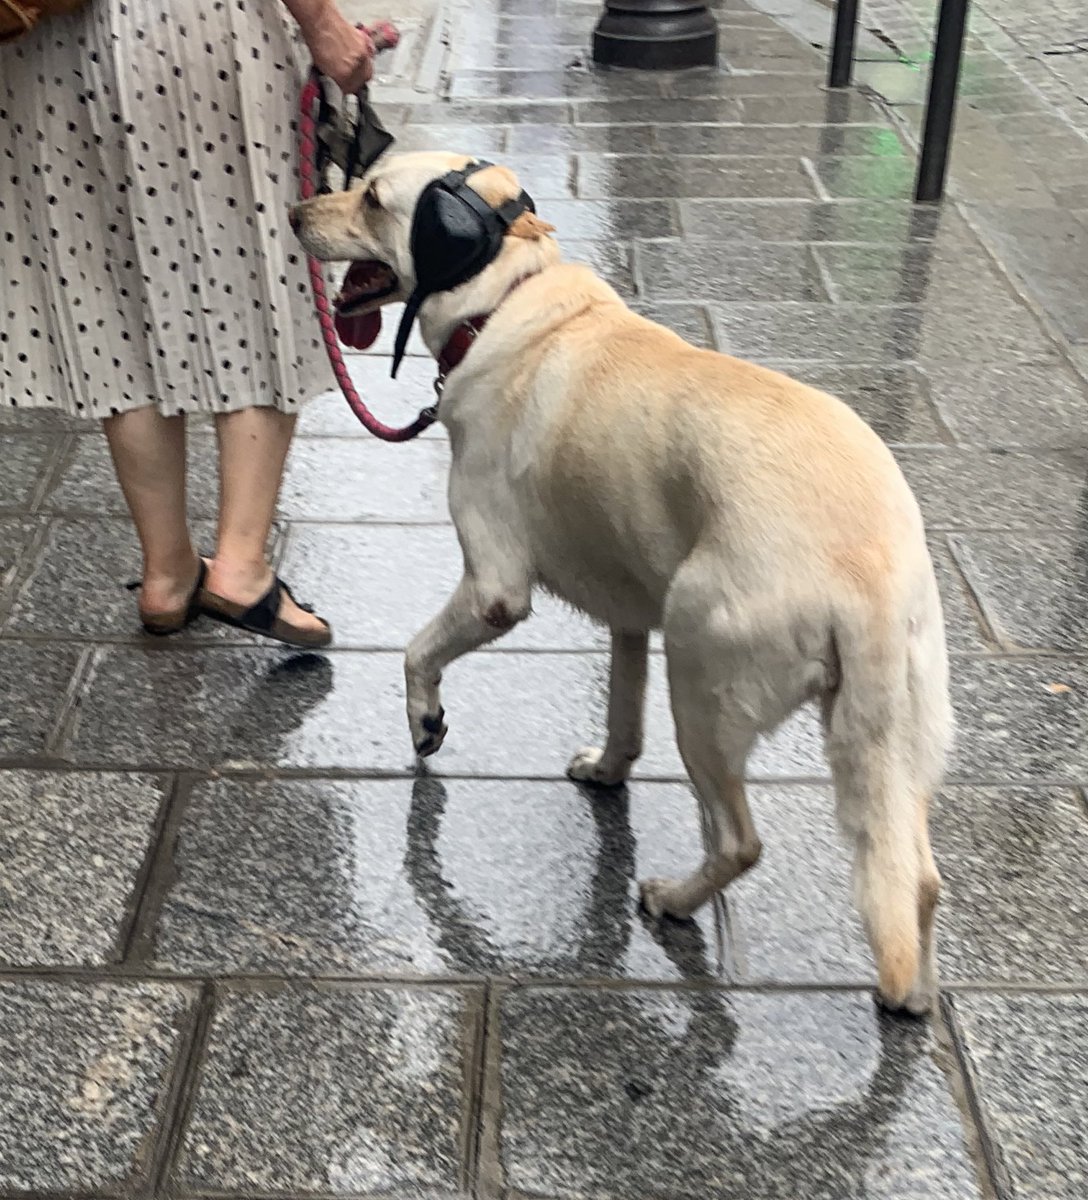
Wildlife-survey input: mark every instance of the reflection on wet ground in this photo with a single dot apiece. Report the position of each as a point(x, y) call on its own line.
point(250, 948)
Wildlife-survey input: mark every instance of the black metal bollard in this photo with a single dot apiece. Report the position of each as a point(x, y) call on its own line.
point(944, 77)
point(656, 35)
point(842, 44)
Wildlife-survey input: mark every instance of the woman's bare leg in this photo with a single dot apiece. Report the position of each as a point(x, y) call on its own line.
point(148, 453)
point(253, 447)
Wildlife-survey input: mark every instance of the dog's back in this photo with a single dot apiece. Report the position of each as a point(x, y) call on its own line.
point(625, 448)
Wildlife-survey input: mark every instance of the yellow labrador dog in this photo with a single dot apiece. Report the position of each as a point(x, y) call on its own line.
point(759, 523)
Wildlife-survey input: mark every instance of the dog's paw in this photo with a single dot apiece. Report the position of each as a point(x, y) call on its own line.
point(662, 898)
point(919, 1004)
point(429, 733)
point(589, 766)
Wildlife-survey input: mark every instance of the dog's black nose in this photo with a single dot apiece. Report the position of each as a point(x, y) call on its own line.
point(295, 218)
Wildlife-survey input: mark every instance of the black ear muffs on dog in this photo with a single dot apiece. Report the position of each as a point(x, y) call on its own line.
point(455, 235)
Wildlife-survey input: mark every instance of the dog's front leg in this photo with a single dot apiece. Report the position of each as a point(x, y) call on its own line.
point(478, 612)
point(626, 698)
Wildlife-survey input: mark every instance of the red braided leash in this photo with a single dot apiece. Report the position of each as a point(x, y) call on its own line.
point(383, 36)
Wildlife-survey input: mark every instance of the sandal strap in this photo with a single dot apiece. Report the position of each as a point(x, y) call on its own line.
point(306, 608)
point(260, 617)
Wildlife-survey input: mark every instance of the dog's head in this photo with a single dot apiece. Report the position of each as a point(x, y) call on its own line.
point(396, 245)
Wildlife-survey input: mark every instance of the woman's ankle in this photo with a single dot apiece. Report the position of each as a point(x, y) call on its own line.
point(177, 567)
point(167, 582)
point(239, 576)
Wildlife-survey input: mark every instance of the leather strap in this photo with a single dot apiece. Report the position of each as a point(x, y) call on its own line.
point(460, 341)
point(261, 616)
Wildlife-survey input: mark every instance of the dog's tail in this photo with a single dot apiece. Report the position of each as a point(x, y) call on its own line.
point(889, 728)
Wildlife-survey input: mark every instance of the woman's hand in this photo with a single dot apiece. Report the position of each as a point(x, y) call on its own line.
point(340, 51)
point(343, 53)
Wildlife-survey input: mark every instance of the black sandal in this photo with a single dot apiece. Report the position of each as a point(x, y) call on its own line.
point(165, 624)
point(263, 618)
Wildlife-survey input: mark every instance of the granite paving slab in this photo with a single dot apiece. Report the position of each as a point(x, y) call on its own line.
point(1030, 1062)
point(891, 334)
point(813, 108)
point(1013, 404)
point(603, 139)
point(412, 878)
point(812, 141)
point(690, 321)
point(70, 858)
point(1032, 588)
point(882, 222)
point(963, 489)
point(612, 219)
point(1015, 903)
point(309, 1090)
point(714, 110)
point(16, 536)
point(612, 261)
point(652, 177)
point(351, 480)
point(966, 629)
point(548, 84)
point(918, 273)
point(26, 458)
point(1021, 719)
point(677, 270)
point(34, 682)
point(689, 1094)
point(794, 917)
point(85, 1080)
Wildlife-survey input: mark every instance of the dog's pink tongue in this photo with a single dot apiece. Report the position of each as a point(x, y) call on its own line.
point(360, 333)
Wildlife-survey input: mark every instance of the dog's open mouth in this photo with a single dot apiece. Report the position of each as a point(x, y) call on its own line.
point(367, 283)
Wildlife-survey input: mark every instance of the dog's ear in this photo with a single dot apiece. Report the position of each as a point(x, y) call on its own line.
point(530, 226)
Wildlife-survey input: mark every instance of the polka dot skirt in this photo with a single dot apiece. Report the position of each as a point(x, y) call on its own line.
point(148, 152)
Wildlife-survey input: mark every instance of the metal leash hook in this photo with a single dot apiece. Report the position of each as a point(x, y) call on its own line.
point(326, 139)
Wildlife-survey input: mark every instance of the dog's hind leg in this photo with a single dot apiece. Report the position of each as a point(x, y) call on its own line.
point(925, 992)
point(716, 728)
point(732, 844)
point(896, 884)
point(626, 699)
point(888, 730)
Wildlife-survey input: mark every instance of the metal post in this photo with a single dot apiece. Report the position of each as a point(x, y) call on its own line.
point(944, 79)
point(656, 35)
point(842, 44)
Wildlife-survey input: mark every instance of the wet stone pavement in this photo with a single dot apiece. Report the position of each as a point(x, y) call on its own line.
point(248, 949)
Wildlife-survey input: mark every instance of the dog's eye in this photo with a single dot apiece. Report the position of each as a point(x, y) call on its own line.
point(370, 198)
